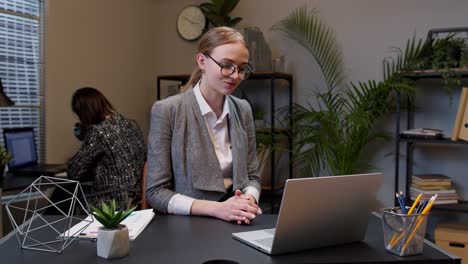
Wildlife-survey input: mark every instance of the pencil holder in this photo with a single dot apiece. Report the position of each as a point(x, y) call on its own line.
point(403, 234)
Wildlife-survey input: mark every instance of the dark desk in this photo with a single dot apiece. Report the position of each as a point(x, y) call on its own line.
point(13, 182)
point(181, 239)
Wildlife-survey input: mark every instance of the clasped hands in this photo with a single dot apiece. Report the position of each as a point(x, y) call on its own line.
point(241, 208)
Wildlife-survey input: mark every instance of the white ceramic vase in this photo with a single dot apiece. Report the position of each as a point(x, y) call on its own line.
point(113, 243)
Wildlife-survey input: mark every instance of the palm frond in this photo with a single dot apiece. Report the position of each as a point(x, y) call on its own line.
point(305, 27)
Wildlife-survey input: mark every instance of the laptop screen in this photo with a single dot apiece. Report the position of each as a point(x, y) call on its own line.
point(22, 147)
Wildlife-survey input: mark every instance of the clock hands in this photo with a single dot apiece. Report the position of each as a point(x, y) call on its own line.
point(191, 21)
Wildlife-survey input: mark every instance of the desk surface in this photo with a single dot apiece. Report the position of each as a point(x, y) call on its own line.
point(12, 182)
point(181, 239)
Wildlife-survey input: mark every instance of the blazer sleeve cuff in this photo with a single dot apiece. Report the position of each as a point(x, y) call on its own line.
point(180, 205)
point(252, 191)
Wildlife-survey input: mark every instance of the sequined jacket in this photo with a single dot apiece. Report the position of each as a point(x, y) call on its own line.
point(112, 156)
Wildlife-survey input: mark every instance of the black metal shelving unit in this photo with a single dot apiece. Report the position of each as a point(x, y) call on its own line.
point(410, 143)
point(272, 77)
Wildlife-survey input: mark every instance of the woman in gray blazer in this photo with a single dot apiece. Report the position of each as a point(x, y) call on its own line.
point(202, 141)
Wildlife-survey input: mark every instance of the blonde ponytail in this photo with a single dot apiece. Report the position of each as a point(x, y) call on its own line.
point(194, 78)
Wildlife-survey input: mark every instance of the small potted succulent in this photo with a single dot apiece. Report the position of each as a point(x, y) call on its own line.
point(112, 239)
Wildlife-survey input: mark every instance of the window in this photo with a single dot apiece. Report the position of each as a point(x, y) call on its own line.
point(21, 67)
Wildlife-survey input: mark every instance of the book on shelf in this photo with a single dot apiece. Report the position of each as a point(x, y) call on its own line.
point(431, 182)
point(427, 133)
point(445, 201)
point(431, 178)
point(432, 186)
point(418, 191)
point(441, 196)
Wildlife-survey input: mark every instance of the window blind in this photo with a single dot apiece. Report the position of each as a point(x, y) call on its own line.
point(21, 67)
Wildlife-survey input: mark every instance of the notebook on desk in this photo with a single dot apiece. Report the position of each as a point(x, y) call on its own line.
point(319, 212)
point(21, 144)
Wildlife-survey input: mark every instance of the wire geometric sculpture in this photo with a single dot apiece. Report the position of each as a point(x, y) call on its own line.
point(43, 232)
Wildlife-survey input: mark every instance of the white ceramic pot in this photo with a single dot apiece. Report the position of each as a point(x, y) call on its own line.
point(113, 243)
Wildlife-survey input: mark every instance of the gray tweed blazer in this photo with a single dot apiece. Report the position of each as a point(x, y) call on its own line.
point(181, 156)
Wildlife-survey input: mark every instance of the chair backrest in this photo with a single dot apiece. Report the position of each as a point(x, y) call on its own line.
point(144, 204)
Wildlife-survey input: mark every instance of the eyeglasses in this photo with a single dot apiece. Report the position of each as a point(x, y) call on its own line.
point(229, 69)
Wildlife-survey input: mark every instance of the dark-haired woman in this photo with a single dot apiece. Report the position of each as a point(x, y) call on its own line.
point(112, 153)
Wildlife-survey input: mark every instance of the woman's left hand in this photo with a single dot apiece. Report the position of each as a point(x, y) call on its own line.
point(252, 202)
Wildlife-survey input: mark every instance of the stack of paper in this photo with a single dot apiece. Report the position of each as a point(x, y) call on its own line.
point(135, 222)
point(430, 184)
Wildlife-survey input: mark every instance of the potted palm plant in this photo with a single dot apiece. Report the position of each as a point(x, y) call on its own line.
point(112, 239)
point(331, 133)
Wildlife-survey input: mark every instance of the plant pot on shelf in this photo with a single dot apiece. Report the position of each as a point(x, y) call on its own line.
point(113, 243)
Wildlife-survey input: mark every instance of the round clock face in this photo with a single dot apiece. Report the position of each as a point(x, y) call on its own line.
point(191, 22)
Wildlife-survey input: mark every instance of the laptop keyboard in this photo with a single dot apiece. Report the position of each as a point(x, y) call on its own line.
point(267, 242)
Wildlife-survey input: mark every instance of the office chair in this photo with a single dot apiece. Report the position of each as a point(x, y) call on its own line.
point(58, 194)
point(144, 203)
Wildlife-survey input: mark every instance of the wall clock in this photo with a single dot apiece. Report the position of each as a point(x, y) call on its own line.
point(191, 22)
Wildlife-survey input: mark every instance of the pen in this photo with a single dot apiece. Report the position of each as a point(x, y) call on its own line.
point(84, 236)
point(402, 205)
point(403, 201)
point(418, 208)
point(423, 205)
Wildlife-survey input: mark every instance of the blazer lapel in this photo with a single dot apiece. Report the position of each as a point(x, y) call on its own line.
point(206, 171)
point(239, 146)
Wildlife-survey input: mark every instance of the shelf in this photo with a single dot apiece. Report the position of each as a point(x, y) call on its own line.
point(410, 142)
point(433, 141)
point(434, 74)
point(462, 206)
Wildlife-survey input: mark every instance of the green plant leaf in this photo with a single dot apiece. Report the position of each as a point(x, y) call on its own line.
point(126, 214)
point(228, 6)
point(234, 21)
point(303, 26)
point(113, 207)
point(108, 215)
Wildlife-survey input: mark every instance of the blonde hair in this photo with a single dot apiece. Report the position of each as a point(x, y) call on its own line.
point(210, 40)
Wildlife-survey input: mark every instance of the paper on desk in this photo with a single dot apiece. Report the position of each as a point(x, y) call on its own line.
point(135, 222)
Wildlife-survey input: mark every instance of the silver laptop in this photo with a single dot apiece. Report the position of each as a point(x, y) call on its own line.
point(319, 212)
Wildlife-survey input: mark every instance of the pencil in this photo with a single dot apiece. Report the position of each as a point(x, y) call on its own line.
point(414, 204)
point(420, 220)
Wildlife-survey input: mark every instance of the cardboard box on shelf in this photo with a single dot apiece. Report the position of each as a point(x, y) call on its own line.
point(453, 236)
